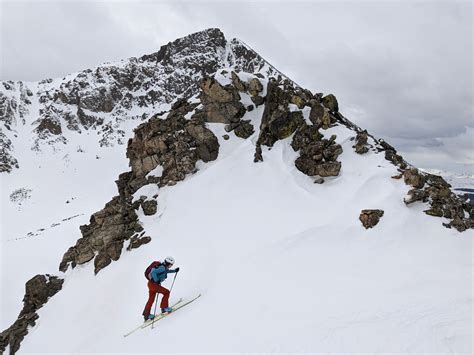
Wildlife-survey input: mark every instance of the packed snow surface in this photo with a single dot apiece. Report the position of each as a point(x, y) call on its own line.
point(283, 264)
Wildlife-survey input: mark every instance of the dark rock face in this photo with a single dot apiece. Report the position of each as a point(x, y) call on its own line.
point(318, 156)
point(220, 104)
point(330, 102)
point(7, 161)
point(319, 115)
point(244, 129)
point(37, 292)
point(278, 122)
point(103, 237)
point(414, 178)
point(149, 207)
point(361, 146)
point(370, 218)
point(174, 143)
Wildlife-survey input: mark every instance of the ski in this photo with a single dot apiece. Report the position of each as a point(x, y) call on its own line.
point(175, 308)
point(149, 321)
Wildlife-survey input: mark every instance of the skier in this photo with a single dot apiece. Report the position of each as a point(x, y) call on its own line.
point(157, 275)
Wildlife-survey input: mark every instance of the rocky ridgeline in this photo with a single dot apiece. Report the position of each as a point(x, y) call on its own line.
point(104, 98)
point(173, 142)
point(37, 292)
point(443, 202)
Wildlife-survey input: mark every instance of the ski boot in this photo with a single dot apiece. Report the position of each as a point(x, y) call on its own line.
point(149, 317)
point(166, 310)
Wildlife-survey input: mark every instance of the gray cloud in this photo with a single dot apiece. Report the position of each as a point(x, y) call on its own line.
point(403, 70)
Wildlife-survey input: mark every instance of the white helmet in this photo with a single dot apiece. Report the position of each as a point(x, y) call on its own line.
point(169, 260)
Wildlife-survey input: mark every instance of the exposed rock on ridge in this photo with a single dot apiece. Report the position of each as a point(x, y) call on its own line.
point(37, 292)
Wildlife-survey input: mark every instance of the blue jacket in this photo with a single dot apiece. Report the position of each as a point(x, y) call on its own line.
point(160, 273)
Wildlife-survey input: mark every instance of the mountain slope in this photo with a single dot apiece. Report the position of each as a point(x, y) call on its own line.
point(224, 181)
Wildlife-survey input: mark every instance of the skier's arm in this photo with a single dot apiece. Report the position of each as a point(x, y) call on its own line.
point(173, 271)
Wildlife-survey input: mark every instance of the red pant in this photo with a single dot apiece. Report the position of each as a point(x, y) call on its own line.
point(153, 289)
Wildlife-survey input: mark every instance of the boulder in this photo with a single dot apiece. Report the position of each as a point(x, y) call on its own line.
point(370, 218)
point(255, 87)
point(149, 207)
point(361, 146)
point(414, 178)
point(319, 116)
point(330, 102)
point(244, 129)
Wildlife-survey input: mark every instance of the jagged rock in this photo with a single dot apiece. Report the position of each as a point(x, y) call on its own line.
point(298, 101)
point(330, 102)
point(250, 108)
point(277, 120)
point(332, 152)
point(174, 143)
point(284, 124)
point(226, 137)
point(304, 136)
point(311, 167)
point(413, 178)
point(317, 155)
point(239, 84)
point(149, 207)
point(415, 195)
point(115, 223)
point(213, 91)
point(258, 100)
point(435, 212)
point(136, 242)
point(319, 180)
point(255, 87)
point(319, 116)
point(361, 146)
point(370, 218)
point(207, 143)
point(38, 290)
point(220, 104)
point(258, 154)
point(7, 161)
point(244, 129)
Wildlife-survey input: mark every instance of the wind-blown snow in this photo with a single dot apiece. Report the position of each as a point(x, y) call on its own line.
point(283, 264)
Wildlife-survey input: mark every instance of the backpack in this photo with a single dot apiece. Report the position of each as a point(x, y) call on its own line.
point(153, 265)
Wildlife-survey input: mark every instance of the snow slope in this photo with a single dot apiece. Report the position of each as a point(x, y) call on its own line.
point(283, 264)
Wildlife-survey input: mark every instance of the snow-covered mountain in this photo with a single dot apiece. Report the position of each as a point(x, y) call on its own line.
point(302, 231)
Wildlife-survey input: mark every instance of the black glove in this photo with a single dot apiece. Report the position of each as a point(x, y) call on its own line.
point(177, 269)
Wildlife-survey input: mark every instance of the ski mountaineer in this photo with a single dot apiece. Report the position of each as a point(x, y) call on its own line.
point(157, 275)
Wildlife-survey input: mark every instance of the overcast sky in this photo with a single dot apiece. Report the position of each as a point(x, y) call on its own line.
point(401, 69)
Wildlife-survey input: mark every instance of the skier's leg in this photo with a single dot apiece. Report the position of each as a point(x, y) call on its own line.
point(166, 296)
point(152, 290)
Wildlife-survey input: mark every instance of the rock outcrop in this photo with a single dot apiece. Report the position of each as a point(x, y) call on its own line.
point(361, 146)
point(37, 292)
point(173, 142)
point(442, 201)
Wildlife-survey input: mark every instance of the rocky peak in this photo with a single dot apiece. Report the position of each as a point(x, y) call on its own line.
point(104, 98)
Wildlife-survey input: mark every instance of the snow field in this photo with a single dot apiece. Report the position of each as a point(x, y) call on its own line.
point(284, 265)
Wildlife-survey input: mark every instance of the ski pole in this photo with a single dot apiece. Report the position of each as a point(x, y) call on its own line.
point(154, 312)
point(176, 274)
